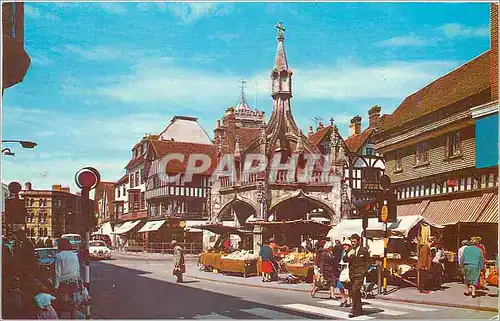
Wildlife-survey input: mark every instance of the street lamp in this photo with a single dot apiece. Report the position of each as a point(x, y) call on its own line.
point(23, 143)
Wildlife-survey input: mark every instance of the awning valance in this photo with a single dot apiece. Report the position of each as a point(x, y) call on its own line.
point(400, 228)
point(221, 229)
point(152, 226)
point(490, 213)
point(127, 226)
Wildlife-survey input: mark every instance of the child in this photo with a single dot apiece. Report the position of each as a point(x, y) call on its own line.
point(44, 304)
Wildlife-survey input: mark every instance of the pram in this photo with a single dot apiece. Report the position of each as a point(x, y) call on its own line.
point(369, 287)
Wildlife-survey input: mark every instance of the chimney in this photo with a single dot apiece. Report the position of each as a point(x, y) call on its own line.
point(56, 187)
point(355, 127)
point(27, 186)
point(320, 127)
point(218, 123)
point(311, 131)
point(494, 50)
point(65, 189)
point(374, 116)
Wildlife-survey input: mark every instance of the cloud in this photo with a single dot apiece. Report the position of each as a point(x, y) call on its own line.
point(72, 143)
point(191, 12)
point(114, 8)
point(35, 13)
point(456, 30)
point(40, 59)
point(106, 53)
point(404, 41)
point(226, 37)
point(342, 81)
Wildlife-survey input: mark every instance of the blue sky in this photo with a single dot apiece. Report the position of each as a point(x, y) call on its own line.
point(103, 74)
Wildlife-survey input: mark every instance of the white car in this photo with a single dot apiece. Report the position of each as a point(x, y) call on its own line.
point(99, 250)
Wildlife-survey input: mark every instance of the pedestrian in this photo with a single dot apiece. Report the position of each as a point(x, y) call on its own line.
point(465, 243)
point(424, 264)
point(438, 269)
point(179, 262)
point(329, 268)
point(43, 301)
point(266, 256)
point(67, 280)
point(359, 261)
point(344, 285)
point(318, 279)
point(472, 261)
point(483, 251)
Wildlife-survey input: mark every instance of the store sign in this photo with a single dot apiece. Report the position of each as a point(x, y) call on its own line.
point(370, 186)
point(384, 213)
point(451, 182)
point(182, 224)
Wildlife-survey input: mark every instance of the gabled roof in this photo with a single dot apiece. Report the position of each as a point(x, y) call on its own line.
point(467, 80)
point(134, 162)
point(185, 129)
point(316, 138)
point(122, 180)
point(355, 142)
point(162, 148)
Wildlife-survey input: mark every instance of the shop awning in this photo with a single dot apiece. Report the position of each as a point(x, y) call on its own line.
point(490, 213)
point(436, 211)
point(221, 229)
point(189, 226)
point(412, 209)
point(400, 228)
point(127, 226)
point(152, 226)
point(105, 229)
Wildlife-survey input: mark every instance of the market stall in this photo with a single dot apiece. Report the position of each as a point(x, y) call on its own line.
point(239, 262)
point(405, 236)
point(211, 260)
point(300, 265)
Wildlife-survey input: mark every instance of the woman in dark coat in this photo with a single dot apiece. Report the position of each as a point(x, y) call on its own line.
point(329, 268)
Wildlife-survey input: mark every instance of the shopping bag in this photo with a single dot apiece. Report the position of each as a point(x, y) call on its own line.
point(344, 276)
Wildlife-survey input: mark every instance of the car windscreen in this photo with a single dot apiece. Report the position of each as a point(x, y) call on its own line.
point(97, 243)
point(46, 253)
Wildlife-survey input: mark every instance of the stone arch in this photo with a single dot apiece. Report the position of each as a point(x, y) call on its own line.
point(301, 195)
point(243, 207)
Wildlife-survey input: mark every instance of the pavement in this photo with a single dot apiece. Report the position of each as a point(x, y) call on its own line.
point(450, 296)
point(128, 288)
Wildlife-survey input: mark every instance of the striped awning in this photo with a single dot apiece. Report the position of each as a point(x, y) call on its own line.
point(412, 209)
point(437, 211)
point(490, 213)
point(465, 210)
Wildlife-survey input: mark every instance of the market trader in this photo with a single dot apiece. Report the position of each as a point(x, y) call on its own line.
point(359, 261)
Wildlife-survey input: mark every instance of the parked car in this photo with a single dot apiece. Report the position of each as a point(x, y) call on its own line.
point(46, 258)
point(102, 237)
point(99, 250)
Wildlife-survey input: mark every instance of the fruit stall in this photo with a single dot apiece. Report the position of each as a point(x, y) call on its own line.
point(241, 262)
point(300, 265)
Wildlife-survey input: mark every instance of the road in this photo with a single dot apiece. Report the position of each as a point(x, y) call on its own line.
point(128, 288)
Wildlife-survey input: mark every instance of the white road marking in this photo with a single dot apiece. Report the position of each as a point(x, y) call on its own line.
point(385, 311)
point(324, 311)
point(402, 305)
point(211, 316)
point(271, 314)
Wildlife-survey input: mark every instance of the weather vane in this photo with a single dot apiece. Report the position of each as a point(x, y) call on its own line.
point(281, 30)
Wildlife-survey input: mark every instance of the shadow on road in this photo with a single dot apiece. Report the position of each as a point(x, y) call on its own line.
point(123, 293)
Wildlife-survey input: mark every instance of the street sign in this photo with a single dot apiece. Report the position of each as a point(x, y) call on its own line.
point(182, 224)
point(384, 213)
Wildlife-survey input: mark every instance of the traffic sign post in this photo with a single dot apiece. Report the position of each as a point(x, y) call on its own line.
point(87, 178)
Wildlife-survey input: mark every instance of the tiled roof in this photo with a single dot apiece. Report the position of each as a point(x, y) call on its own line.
point(467, 80)
point(134, 162)
point(162, 148)
point(316, 138)
point(122, 180)
point(355, 142)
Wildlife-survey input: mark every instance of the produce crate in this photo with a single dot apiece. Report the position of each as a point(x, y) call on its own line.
point(245, 267)
point(211, 260)
point(304, 273)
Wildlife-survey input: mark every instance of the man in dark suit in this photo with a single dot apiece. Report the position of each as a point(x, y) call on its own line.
point(359, 261)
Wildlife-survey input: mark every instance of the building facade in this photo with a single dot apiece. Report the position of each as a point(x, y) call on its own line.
point(15, 59)
point(52, 213)
point(435, 145)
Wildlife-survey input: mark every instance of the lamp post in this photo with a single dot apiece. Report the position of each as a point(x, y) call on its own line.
point(23, 143)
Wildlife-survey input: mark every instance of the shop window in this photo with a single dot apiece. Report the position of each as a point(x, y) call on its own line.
point(421, 154)
point(453, 145)
point(398, 166)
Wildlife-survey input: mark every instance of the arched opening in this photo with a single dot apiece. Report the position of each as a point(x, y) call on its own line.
point(238, 210)
point(299, 207)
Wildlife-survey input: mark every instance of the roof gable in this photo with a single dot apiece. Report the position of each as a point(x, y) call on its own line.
point(355, 142)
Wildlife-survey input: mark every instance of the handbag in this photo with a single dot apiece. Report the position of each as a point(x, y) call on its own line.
point(344, 275)
point(319, 281)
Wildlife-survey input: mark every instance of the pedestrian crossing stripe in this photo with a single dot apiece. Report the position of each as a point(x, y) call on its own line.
point(385, 311)
point(212, 316)
point(271, 314)
point(324, 312)
point(405, 306)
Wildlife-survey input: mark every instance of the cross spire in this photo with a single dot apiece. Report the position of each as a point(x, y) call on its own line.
point(281, 31)
point(242, 104)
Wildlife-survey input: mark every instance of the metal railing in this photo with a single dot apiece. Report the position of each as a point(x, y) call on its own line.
point(163, 248)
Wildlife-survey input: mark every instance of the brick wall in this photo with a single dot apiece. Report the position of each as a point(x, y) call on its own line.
point(438, 164)
point(494, 50)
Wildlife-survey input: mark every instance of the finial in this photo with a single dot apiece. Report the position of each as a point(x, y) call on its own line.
point(242, 104)
point(281, 31)
point(332, 121)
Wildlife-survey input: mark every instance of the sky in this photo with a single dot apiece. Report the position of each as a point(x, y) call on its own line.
point(104, 74)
